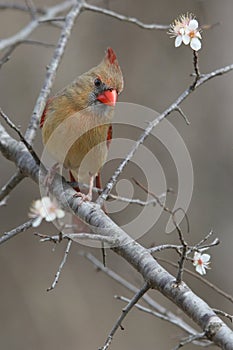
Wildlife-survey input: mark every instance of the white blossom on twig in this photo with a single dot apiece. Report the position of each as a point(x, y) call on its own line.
point(186, 30)
point(45, 208)
point(201, 262)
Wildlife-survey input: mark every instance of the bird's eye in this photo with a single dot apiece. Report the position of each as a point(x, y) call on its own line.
point(97, 82)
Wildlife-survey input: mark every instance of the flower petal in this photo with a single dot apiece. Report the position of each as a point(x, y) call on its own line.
point(50, 217)
point(44, 211)
point(182, 31)
point(37, 221)
point(193, 24)
point(60, 213)
point(195, 44)
point(186, 39)
point(200, 269)
point(205, 258)
point(37, 204)
point(46, 201)
point(178, 41)
point(197, 255)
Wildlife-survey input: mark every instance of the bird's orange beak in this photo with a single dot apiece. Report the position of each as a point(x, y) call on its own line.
point(109, 97)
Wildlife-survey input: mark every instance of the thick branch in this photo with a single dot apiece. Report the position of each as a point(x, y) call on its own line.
point(138, 256)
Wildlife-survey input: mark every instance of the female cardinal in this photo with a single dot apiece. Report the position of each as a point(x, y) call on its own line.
point(76, 123)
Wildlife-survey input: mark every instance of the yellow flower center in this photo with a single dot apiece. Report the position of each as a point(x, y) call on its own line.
point(192, 34)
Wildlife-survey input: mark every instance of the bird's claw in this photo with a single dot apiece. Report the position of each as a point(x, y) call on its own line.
point(84, 197)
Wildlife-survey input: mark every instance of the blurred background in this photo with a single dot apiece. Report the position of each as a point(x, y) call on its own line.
point(80, 311)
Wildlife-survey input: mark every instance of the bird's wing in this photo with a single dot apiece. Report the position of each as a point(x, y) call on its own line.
point(108, 141)
point(42, 119)
point(109, 136)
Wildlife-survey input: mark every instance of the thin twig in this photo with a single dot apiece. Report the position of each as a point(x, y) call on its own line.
point(184, 249)
point(225, 314)
point(76, 237)
point(215, 242)
point(181, 263)
point(7, 55)
point(21, 228)
point(162, 247)
point(31, 9)
point(36, 42)
point(178, 109)
point(125, 18)
point(124, 313)
point(20, 7)
point(196, 69)
point(11, 184)
point(178, 248)
point(22, 138)
point(28, 29)
point(53, 19)
point(203, 240)
point(61, 266)
point(190, 339)
point(123, 199)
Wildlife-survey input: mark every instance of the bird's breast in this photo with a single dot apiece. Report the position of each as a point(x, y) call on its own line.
point(79, 142)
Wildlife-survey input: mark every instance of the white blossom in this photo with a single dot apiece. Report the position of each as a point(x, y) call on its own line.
point(45, 208)
point(201, 262)
point(186, 30)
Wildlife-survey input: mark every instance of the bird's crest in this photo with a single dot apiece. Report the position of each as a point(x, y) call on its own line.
point(111, 56)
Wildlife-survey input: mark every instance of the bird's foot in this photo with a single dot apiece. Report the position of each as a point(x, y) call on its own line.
point(84, 197)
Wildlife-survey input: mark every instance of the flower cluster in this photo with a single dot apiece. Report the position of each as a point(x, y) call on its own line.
point(201, 262)
point(45, 208)
point(186, 30)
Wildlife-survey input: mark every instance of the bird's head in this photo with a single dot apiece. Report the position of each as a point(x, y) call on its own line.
point(104, 82)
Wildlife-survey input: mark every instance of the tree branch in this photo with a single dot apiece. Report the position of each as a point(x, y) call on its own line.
point(11, 184)
point(26, 31)
point(138, 256)
point(133, 252)
point(125, 312)
point(123, 18)
point(20, 7)
point(61, 266)
point(16, 231)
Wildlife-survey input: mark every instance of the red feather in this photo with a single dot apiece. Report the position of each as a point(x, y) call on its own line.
point(111, 56)
point(72, 179)
point(42, 119)
point(109, 136)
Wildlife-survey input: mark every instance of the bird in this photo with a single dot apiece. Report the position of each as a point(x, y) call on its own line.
point(76, 122)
